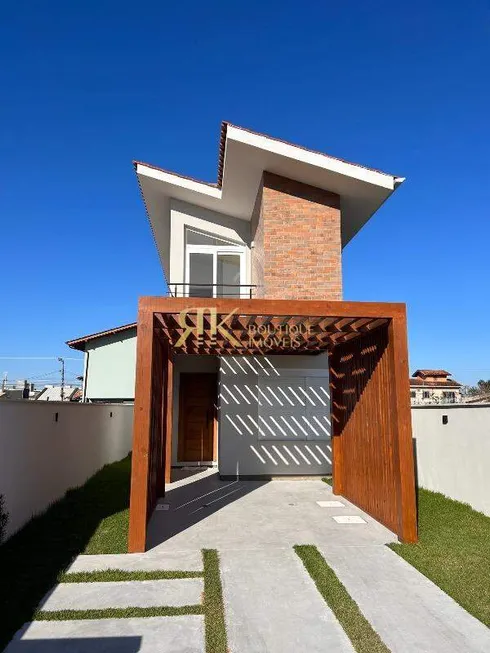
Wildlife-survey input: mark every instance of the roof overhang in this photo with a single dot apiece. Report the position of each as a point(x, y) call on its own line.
point(243, 157)
point(80, 343)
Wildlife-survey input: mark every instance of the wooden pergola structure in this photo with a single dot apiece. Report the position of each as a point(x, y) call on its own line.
point(373, 463)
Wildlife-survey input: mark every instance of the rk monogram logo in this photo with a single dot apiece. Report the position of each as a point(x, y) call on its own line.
point(198, 328)
point(268, 336)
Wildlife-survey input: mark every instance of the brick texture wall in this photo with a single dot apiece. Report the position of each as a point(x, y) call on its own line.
point(297, 251)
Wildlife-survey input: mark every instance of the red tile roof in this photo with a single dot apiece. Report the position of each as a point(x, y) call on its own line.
point(79, 343)
point(424, 373)
point(442, 382)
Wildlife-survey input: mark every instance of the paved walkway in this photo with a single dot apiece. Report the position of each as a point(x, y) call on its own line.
point(271, 604)
point(174, 634)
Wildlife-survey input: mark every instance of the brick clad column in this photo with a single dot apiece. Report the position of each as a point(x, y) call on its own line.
point(297, 251)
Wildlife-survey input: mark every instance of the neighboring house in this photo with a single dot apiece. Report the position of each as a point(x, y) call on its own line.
point(54, 393)
point(434, 387)
point(109, 364)
point(17, 390)
point(12, 395)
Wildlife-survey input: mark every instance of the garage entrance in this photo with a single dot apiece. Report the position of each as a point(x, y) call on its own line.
point(367, 360)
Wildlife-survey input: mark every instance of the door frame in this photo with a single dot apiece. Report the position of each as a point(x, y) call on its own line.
point(180, 433)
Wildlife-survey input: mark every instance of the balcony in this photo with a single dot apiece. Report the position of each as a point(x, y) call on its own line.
point(238, 291)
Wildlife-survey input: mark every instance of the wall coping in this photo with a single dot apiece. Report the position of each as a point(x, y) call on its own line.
point(450, 406)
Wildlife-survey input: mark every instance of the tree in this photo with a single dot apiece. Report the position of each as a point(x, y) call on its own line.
point(481, 388)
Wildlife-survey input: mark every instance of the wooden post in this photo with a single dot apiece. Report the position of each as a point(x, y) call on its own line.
point(169, 413)
point(141, 433)
point(162, 409)
point(335, 399)
point(402, 431)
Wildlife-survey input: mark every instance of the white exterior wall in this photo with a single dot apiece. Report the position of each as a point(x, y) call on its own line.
point(184, 215)
point(110, 367)
point(40, 458)
point(454, 458)
point(252, 400)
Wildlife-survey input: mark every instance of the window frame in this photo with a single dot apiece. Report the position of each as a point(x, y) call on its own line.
point(215, 251)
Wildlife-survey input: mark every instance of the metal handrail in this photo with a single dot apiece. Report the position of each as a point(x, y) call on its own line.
point(240, 286)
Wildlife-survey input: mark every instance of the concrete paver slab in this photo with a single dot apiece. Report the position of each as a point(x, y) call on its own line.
point(171, 560)
point(408, 611)
point(151, 635)
point(125, 594)
point(272, 606)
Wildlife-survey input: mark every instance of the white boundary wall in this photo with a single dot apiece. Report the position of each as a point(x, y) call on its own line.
point(41, 458)
point(454, 458)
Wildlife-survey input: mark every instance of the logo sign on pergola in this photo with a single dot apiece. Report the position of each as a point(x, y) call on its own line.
point(205, 330)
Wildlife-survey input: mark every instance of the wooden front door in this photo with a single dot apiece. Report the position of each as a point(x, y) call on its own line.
point(197, 417)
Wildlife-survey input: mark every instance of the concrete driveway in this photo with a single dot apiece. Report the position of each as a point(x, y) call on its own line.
point(252, 515)
point(271, 603)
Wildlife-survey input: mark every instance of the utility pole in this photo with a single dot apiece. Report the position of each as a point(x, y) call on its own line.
point(62, 361)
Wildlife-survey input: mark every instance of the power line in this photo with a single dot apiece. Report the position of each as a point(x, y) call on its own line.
point(37, 358)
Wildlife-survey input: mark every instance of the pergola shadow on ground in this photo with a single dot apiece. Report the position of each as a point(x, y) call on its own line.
point(242, 515)
point(193, 501)
point(373, 463)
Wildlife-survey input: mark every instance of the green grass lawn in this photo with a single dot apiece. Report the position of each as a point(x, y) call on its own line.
point(453, 551)
point(89, 519)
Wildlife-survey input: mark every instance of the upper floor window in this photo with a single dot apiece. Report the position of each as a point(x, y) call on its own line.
point(214, 267)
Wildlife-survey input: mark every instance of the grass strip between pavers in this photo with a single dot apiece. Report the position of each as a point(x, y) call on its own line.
point(118, 575)
point(117, 613)
point(214, 612)
point(360, 632)
point(212, 607)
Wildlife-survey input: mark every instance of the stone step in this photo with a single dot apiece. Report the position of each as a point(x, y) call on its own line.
point(124, 594)
point(183, 634)
point(171, 561)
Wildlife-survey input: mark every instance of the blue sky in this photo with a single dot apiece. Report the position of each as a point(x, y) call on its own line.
point(88, 87)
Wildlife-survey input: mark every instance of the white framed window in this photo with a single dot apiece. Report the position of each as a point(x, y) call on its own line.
point(213, 267)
